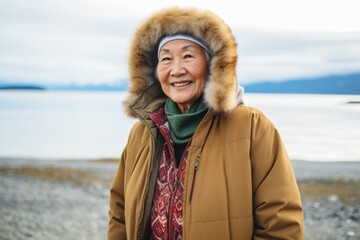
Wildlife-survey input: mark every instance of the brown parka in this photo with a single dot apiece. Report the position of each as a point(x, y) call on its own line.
point(243, 186)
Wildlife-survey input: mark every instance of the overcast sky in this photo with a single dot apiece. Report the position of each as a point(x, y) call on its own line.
point(86, 41)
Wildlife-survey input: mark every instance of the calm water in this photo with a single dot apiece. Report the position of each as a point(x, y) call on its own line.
point(60, 125)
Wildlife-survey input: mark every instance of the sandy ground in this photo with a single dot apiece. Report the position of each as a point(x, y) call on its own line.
point(42, 199)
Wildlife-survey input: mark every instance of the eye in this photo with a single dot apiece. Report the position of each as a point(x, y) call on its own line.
point(164, 59)
point(188, 56)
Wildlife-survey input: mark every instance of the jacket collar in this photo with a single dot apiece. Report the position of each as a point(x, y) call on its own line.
point(146, 103)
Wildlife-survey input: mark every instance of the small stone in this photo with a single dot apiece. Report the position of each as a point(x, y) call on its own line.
point(316, 205)
point(333, 198)
point(106, 193)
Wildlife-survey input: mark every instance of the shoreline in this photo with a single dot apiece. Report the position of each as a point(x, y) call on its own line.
point(303, 169)
point(68, 199)
point(116, 159)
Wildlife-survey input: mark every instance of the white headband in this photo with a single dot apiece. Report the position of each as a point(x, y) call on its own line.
point(183, 37)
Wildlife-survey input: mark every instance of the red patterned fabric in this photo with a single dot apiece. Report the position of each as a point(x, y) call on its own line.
point(167, 210)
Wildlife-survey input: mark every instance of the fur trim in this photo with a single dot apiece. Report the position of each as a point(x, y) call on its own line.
point(222, 92)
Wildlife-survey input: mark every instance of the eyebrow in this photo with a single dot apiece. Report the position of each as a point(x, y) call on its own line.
point(166, 50)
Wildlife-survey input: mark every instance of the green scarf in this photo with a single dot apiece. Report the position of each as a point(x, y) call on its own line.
point(183, 125)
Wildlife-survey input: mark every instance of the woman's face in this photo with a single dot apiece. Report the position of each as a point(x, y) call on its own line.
point(182, 70)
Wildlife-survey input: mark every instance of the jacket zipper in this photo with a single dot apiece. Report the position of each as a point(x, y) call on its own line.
point(197, 161)
point(196, 167)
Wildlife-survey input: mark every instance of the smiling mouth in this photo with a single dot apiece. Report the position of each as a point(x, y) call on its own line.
point(181, 84)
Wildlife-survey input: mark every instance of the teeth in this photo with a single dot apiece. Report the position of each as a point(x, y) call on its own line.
point(181, 84)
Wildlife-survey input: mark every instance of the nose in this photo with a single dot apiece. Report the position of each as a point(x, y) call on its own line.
point(177, 68)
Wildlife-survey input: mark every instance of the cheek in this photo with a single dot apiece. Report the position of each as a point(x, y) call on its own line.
point(201, 75)
point(201, 86)
point(160, 76)
point(201, 69)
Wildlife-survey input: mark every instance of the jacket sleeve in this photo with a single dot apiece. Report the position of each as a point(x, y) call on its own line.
point(277, 206)
point(116, 227)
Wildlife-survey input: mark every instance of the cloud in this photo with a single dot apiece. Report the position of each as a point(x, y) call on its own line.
point(58, 57)
point(279, 55)
point(78, 41)
point(39, 44)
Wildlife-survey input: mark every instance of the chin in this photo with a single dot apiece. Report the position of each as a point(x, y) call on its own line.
point(180, 100)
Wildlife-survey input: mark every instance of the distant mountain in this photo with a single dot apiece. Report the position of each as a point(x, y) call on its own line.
point(335, 84)
point(21, 87)
point(120, 85)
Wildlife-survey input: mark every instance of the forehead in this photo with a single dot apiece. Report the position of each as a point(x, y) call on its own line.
point(180, 44)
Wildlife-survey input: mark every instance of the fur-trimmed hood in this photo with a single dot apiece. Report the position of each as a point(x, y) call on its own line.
point(222, 92)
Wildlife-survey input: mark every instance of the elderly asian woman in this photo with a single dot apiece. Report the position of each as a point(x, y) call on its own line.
point(199, 164)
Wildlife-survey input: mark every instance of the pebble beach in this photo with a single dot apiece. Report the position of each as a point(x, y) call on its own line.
point(68, 199)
